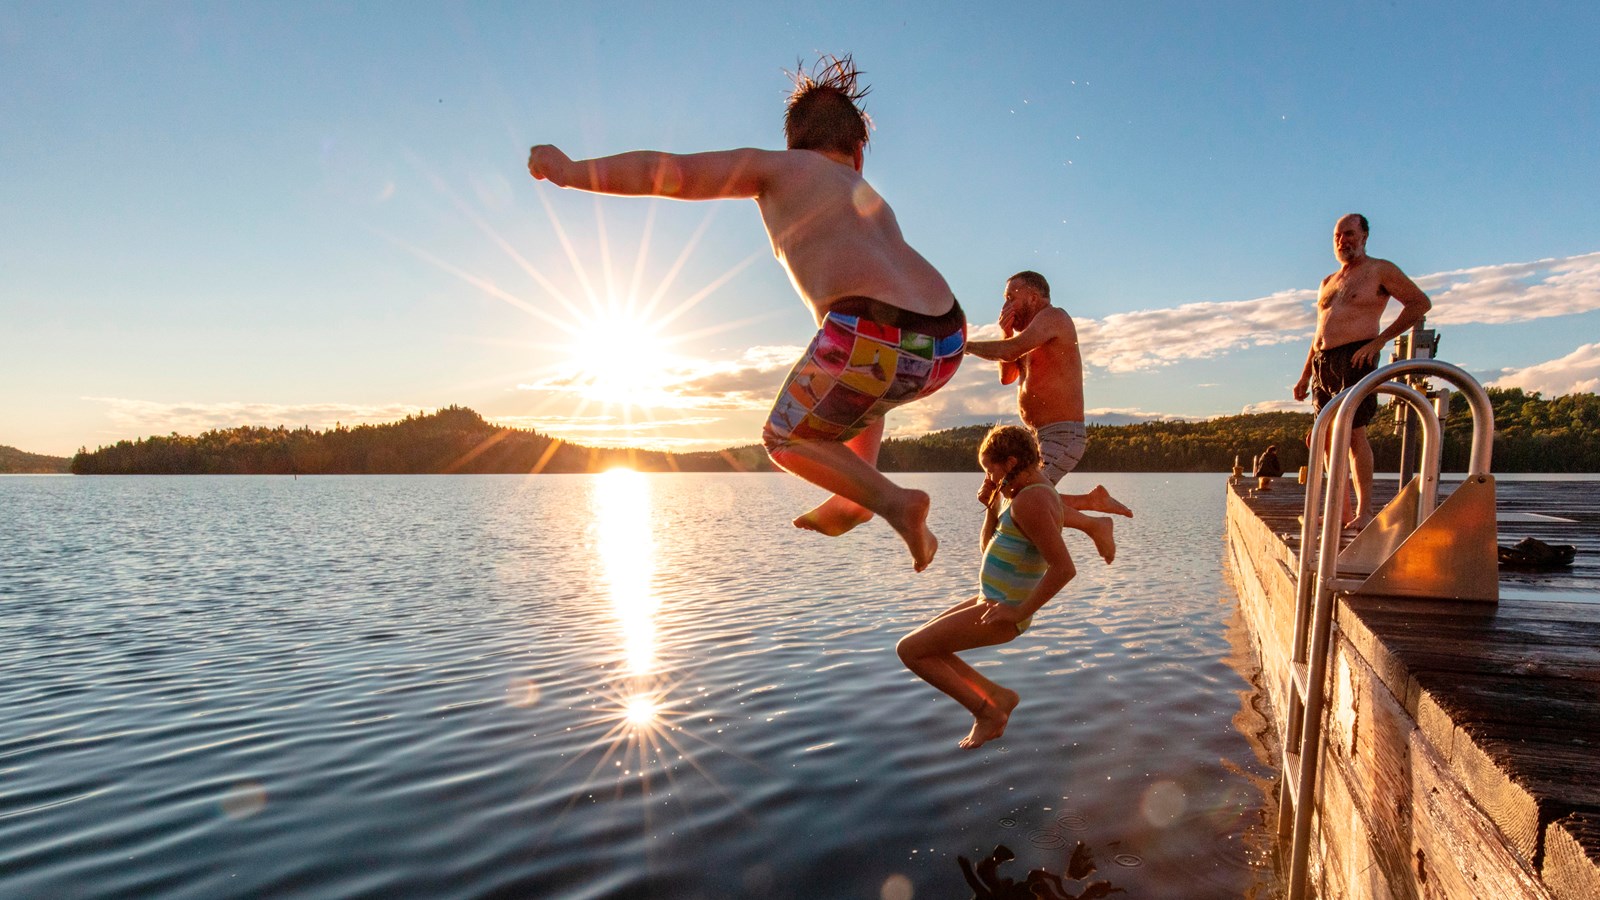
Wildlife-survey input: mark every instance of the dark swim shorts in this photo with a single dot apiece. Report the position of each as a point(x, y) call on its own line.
point(868, 358)
point(1333, 370)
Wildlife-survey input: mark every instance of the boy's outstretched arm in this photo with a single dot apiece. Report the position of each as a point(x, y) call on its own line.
point(724, 174)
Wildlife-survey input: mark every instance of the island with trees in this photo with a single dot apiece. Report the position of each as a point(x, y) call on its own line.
point(1533, 434)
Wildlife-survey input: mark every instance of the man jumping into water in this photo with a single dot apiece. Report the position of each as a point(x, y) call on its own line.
point(1350, 305)
point(890, 330)
point(1040, 353)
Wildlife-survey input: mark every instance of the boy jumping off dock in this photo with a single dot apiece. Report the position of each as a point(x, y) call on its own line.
point(1025, 564)
point(889, 328)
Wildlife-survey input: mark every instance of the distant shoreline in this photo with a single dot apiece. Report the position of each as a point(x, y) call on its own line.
point(1533, 435)
point(20, 462)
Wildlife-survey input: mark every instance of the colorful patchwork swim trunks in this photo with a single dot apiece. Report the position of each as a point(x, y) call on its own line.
point(868, 358)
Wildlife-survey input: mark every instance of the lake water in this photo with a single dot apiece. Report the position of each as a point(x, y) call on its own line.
point(585, 687)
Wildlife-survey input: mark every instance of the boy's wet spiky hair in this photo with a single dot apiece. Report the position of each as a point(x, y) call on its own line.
point(824, 112)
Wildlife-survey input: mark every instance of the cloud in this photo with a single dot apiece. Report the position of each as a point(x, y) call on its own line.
point(747, 382)
point(597, 425)
point(988, 331)
point(1133, 416)
point(1151, 338)
point(151, 417)
point(614, 431)
point(1576, 373)
point(1514, 292)
point(1267, 406)
point(1487, 295)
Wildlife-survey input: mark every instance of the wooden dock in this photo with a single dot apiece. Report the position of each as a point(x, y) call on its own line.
point(1462, 739)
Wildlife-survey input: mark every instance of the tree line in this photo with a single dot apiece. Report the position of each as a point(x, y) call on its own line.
point(1532, 435)
point(18, 462)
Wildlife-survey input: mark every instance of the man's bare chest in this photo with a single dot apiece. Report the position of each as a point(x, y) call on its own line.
point(1047, 366)
point(1352, 291)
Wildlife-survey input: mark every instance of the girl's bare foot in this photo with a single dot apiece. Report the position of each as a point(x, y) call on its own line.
point(989, 722)
point(833, 516)
point(1100, 500)
point(912, 524)
point(1100, 532)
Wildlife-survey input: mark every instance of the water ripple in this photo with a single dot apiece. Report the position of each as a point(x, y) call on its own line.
point(417, 687)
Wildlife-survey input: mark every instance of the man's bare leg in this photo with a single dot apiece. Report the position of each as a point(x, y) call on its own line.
point(1097, 500)
point(836, 468)
point(1361, 468)
point(1345, 514)
point(837, 515)
point(1098, 528)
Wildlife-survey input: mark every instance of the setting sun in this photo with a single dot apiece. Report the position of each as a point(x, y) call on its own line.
point(619, 358)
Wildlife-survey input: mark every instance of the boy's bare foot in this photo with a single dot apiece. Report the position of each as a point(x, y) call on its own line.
point(833, 516)
point(1100, 532)
point(912, 525)
point(989, 722)
point(1100, 500)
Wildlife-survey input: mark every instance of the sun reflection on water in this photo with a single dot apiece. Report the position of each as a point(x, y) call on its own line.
point(627, 552)
point(641, 742)
point(642, 710)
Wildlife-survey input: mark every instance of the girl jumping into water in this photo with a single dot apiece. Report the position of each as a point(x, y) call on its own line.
point(1025, 564)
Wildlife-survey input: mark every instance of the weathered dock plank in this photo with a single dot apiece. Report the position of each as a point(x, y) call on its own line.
point(1572, 860)
point(1462, 738)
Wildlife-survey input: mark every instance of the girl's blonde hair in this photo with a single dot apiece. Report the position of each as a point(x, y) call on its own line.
point(1010, 440)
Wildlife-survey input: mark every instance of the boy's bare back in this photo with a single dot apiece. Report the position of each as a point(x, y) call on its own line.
point(838, 238)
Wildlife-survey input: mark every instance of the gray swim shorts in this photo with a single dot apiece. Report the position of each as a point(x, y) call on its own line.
point(1061, 447)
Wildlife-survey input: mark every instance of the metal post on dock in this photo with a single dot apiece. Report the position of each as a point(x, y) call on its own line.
point(1418, 343)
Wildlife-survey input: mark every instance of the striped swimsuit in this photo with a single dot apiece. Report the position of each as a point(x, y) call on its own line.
point(1012, 564)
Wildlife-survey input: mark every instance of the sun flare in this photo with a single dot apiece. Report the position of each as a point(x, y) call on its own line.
point(620, 358)
point(642, 711)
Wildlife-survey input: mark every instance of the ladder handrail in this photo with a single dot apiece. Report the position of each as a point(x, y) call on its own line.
point(1342, 410)
point(1477, 399)
point(1432, 447)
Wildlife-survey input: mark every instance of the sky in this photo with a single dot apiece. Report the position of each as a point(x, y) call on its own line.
point(221, 214)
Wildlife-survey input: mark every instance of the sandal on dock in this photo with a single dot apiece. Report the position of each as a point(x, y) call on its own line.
point(1532, 553)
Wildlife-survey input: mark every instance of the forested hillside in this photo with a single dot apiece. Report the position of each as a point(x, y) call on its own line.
point(17, 462)
point(1533, 435)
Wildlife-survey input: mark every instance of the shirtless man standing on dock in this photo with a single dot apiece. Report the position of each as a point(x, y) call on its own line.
point(889, 328)
point(1040, 354)
point(1347, 344)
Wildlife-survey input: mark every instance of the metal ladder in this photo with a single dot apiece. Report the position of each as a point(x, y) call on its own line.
point(1415, 547)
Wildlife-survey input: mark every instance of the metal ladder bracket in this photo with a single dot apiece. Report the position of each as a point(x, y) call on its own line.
point(1452, 555)
point(1380, 539)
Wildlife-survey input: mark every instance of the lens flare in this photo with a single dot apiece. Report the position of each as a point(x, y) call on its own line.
point(642, 711)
